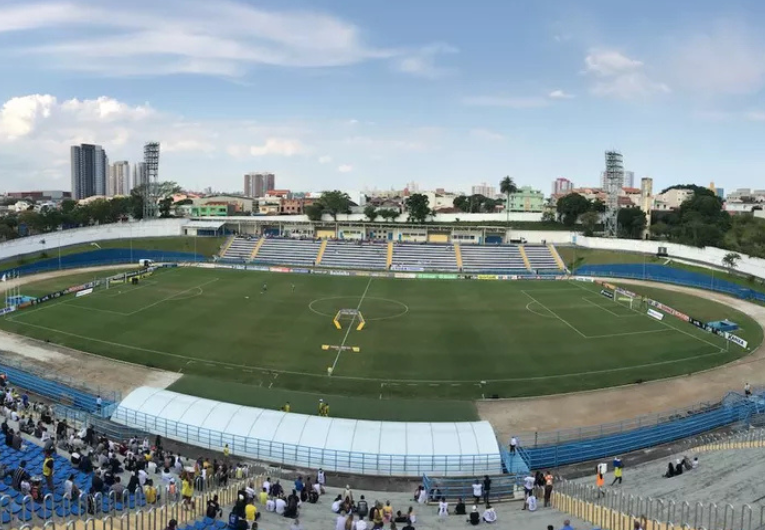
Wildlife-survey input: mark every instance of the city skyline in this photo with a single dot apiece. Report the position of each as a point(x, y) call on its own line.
point(374, 100)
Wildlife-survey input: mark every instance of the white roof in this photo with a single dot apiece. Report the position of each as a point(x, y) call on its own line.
point(355, 446)
point(210, 225)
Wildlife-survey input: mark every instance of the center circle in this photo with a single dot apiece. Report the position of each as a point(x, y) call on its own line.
point(372, 308)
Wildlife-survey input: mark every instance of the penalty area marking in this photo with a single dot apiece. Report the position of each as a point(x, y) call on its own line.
point(332, 315)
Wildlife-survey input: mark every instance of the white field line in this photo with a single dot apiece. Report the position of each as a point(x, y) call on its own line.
point(350, 327)
point(555, 314)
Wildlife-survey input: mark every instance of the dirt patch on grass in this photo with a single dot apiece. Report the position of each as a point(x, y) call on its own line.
point(66, 364)
point(569, 411)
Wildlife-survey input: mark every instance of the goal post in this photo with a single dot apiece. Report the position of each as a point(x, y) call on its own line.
point(354, 315)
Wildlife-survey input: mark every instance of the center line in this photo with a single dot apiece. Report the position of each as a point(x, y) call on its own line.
point(350, 327)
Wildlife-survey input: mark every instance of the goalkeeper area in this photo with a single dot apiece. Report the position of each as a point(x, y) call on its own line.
point(365, 343)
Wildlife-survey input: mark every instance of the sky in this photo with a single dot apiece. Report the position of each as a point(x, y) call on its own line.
point(357, 94)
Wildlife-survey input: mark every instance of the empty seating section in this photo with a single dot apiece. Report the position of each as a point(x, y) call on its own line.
point(424, 257)
point(241, 248)
point(58, 392)
point(540, 258)
point(500, 258)
point(289, 251)
point(354, 255)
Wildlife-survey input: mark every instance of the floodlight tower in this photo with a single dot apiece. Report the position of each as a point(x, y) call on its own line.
point(151, 188)
point(614, 181)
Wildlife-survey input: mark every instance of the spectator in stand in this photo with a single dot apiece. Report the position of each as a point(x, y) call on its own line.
point(528, 487)
point(97, 484)
point(477, 491)
point(531, 503)
point(17, 441)
point(172, 525)
point(340, 521)
point(263, 497)
point(549, 480)
point(118, 488)
point(337, 504)
point(489, 515)
point(513, 444)
point(47, 470)
point(475, 517)
point(387, 512)
point(567, 525)
point(281, 505)
point(459, 509)
point(150, 492)
point(362, 509)
point(250, 511)
point(486, 488)
point(443, 507)
point(299, 485)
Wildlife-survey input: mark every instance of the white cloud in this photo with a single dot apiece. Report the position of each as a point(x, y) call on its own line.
point(609, 62)
point(345, 168)
point(422, 63)
point(620, 77)
point(271, 147)
point(559, 94)
point(326, 159)
point(486, 134)
point(755, 115)
point(726, 59)
point(191, 36)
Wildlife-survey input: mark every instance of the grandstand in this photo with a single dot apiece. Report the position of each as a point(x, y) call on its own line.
point(289, 251)
point(541, 258)
point(408, 256)
point(240, 249)
point(505, 258)
point(354, 255)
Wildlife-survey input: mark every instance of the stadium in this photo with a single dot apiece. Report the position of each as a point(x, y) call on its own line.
point(420, 354)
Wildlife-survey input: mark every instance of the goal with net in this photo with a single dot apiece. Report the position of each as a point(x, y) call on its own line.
point(353, 316)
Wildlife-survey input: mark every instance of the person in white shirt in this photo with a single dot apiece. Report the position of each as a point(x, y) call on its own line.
point(336, 504)
point(321, 478)
point(423, 498)
point(152, 467)
point(531, 503)
point(142, 476)
point(361, 524)
point(513, 444)
point(68, 486)
point(443, 507)
point(477, 491)
point(695, 462)
point(267, 485)
point(317, 488)
point(270, 505)
point(490, 516)
point(281, 504)
point(528, 487)
point(340, 521)
point(166, 476)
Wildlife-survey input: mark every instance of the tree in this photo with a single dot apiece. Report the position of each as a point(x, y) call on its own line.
point(475, 203)
point(389, 214)
point(730, 260)
point(589, 221)
point(507, 187)
point(371, 212)
point(631, 222)
point(418, 207)
point(164, 207)
point(548, 217)
point(314, 211)
point(334, 202)
point(571, 206)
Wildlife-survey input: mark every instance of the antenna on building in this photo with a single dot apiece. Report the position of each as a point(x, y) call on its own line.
point(614, 181)
point(151, 188)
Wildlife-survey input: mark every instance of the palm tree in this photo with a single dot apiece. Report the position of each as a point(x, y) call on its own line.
point(508, 187)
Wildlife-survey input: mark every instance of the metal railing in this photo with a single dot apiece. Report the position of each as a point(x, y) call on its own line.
point(616, 510)
point(588, 443)
point(313, 457)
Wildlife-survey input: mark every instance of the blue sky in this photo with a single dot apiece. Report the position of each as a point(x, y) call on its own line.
point(355, 94)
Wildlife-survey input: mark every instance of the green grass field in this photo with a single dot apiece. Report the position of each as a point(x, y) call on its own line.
point(428, 350)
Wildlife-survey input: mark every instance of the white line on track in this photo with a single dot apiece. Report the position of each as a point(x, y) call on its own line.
point(350, 327)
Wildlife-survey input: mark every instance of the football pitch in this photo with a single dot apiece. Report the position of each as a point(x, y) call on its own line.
point(427, 346)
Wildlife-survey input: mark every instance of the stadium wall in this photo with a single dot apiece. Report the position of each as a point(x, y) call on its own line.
point(79, 236)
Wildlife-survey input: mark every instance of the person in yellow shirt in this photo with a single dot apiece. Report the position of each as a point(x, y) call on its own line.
point(287, 407)
point(251, 512)
point(263, 496)
point(187, 492)
point(226, 451)
point(150, 492)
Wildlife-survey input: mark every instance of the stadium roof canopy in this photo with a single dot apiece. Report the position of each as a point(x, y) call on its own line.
point(208, 225)
point(346, 445)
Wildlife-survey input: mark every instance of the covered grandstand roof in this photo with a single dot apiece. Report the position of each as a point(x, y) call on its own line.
point(209, 225)
point(373, 447)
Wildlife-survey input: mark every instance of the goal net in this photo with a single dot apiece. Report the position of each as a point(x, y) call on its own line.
point(352, 316)
point(633, 302)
